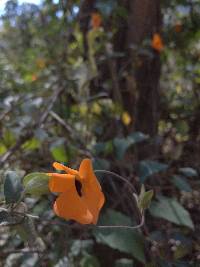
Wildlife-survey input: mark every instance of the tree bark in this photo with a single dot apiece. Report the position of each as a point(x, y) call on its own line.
point(143, 99)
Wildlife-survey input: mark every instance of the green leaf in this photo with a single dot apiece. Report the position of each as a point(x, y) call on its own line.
point(27, 231)
point(124, 263)
point(145, 199)
point(122, 144)
point(103, 147)
point(149, 167)
point(12, 187)
point(138, 137)
point(32, 144)
point(181, 251)
point(89, 261)
point(3, 149)
point(36, 183)
point(9, 138)
point(101, 164)
point(171, 210)
point(181, 183)
point(125, 240)
point(58, 150)
point(189, 172)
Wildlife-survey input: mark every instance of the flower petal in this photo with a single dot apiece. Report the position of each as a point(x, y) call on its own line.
point(70, 206)
point(60, 182)
point(61, 167)
point(91, 189)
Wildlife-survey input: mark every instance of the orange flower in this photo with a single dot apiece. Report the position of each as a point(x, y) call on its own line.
point(34, 78)
point(96, 20)
point(178, 27)
point(157, 42)
point(81, 198)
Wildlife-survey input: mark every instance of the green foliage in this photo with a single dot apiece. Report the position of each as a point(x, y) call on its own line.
point(181, 183)
point(169, 209)
point(53, 46)
point(144, 199)
point(36, 183)
point(124, 240)
point(124, 263)
point(188, 172)
point(12, 187)
point(122, 144)
point(58, 151)
point(89, 261)
point(149, 167)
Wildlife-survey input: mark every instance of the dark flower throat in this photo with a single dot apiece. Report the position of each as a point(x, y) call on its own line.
point(78, 187)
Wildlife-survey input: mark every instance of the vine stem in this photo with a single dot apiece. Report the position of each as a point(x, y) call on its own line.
point(117, 176)
point(141, 213)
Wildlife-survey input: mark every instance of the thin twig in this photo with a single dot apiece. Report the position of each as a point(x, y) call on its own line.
point(71, 132)
point(30, 133)
point(61, 121)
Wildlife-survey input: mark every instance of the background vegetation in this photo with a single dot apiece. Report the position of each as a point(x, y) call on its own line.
point(71, 89)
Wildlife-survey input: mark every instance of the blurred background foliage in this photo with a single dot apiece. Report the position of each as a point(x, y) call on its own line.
point(69, 89)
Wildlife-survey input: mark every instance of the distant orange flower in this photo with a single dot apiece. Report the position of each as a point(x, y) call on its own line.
point(34, 78)
point(178, 27)
point(157, 42)
point(81, 198)
point(96, 20)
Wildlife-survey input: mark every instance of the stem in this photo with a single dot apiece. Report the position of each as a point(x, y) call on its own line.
point(123, 226)
point(141, 214)
point(117, 176)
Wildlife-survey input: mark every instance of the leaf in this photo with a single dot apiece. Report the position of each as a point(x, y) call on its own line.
point(139, 137)
point(63, 262)
point(145, 199)
point(181, 251)
point(78, 246)
point(9, 138)
point(124, 263)
point(126, 118)
point(36, 183)
point(3, 149)
point(189, 172)
point(59, 154)
point(89, 261)
point(101, 164)
point(32, 144)
point(27, 231)
point(122, 144)
point(181, 183)
point(125, 240)
point(103, 147)
point(12, 187)
point(4, 217)
point(58, 150)
point(171, 210)
point(149, 167)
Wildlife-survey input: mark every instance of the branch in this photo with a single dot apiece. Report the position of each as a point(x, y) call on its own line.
point(30, 132)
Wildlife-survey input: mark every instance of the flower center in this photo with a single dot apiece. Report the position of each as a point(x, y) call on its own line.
point(78, 186)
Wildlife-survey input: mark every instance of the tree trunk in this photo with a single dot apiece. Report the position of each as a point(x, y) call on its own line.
point(143, 91)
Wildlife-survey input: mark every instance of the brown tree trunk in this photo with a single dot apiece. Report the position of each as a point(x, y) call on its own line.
point(142, 95)
point(86, 8)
